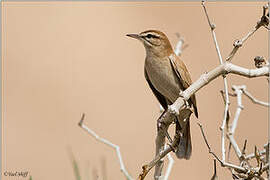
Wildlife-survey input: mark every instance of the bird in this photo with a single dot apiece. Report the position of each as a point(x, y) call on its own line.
point(167, 76)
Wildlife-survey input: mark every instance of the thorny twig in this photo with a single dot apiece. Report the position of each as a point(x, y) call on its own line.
point(264, 22)
point(207, 144)
point(105, 141)
point(249, 172)
point(117, 148)
point(248, 95)
point(253, 99)
point(223, 164)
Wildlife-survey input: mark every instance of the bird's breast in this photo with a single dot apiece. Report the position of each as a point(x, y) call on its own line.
point(162, 77)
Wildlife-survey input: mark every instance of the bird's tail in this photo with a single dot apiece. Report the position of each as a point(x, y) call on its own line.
point(184, 148)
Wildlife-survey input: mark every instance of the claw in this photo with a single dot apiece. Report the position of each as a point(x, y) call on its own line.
point(168, 136)
point(181, 94)
point(173, 110)
point(173, 148)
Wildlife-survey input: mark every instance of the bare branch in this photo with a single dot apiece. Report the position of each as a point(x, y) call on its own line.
point(224, 164)
point(238, 92)
point(215, 177)
point(253, 99)
point(169, 168)
point(228, 112)
point(207, 144)
point(212, 26)
point(117, 149)
point(244, 170)
point(230, 94)
point(105, 141)
point(146, 168)
point(264, 21)
point(206, 78)
point(227, 101)
point(252, 155)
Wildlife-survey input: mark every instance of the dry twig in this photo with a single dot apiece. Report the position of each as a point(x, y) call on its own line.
point(105, 141)
point(227, 100)
point(264, 22)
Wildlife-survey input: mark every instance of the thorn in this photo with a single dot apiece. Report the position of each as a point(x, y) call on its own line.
point(244, 148)
point(257, 155)
point(82, 119)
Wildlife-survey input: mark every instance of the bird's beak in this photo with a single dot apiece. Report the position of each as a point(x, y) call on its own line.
point(135, 36)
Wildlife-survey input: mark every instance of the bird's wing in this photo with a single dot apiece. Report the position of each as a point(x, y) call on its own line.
point(184, 77)
point(159, 96)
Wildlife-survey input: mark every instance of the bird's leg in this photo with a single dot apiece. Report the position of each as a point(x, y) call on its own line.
point(160, 127)
point(178, 132)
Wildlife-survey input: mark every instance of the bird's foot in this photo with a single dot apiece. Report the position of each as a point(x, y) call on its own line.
point(172, 109)
point(174, 149)
point(186, 105)
point(181, 94)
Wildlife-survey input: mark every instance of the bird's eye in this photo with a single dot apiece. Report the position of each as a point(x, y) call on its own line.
point(151, 36)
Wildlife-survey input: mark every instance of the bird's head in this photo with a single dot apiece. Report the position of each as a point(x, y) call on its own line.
point(155, 42)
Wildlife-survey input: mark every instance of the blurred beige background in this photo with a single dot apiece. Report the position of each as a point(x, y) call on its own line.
point(64, 58)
